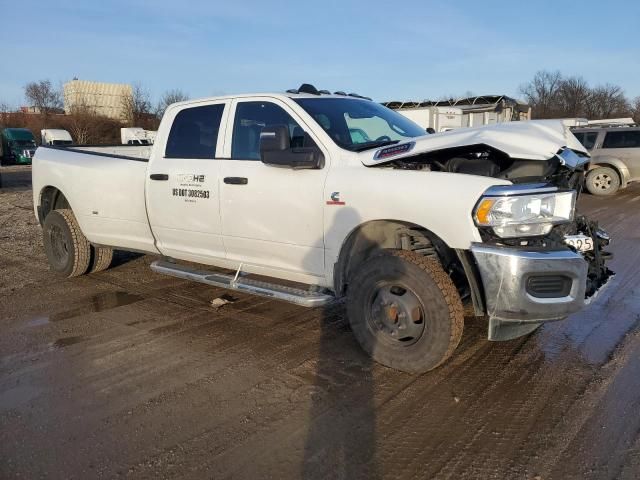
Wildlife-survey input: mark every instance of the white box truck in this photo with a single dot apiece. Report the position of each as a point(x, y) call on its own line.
point(55, 136)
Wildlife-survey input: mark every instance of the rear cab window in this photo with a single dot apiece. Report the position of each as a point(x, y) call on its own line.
point(194, 132)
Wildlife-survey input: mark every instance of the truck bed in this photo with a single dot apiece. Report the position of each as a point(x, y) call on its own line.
point(104, 186)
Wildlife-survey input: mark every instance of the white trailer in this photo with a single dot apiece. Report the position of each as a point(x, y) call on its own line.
point(440, 119)
point(465, 112)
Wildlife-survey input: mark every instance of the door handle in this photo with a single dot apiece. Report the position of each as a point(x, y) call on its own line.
point(159, 176)
point(236, 180)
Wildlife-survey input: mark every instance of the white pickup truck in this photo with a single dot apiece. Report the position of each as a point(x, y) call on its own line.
point(310, 196)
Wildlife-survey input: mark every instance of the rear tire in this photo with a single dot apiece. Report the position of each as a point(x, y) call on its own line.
point(405, 311)
point(603, 181)
point(67, 249)
point(101, 258)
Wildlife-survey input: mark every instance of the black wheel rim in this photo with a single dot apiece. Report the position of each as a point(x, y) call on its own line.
point(395, 314)
point(59, 246)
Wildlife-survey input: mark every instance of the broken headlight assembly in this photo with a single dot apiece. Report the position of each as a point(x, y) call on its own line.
point(524, 211)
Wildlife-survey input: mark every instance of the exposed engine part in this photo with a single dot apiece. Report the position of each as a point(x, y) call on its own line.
point(489, 162)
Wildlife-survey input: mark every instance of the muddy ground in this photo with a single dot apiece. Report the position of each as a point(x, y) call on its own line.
point(127, 373)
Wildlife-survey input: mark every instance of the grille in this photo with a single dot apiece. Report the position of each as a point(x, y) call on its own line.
point(549, 286)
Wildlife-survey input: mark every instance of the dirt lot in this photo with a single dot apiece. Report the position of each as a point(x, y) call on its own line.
point(129, 373)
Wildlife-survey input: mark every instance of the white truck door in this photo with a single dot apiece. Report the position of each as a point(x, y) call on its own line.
point(182, 186)
point(271, 217)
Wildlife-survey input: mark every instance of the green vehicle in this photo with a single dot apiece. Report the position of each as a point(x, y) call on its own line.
point(17, 147)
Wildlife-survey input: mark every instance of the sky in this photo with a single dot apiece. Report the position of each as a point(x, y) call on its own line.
point(388, 50)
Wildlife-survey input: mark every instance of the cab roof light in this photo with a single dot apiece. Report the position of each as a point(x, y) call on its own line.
point(310, 89)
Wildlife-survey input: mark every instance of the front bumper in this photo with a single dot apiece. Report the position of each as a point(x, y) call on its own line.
point(524, 288)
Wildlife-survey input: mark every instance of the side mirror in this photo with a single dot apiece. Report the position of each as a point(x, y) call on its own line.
point(276, 150)
point(430, 130)
point(274, 139)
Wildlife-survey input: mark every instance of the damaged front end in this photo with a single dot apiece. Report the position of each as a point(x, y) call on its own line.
point(537, 261)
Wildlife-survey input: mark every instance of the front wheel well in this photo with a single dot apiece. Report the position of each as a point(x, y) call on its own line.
point(371, 237)
point(51, 198)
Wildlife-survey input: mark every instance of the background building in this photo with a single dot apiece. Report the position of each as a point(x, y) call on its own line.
point(106, 99)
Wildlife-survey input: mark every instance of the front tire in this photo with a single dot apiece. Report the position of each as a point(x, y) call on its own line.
point(603, 181)
point(67, 249)
point(405, 311)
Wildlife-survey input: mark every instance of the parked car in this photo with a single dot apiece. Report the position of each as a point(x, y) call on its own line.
point(347, 198)
point(615, 156)
point(17, 146)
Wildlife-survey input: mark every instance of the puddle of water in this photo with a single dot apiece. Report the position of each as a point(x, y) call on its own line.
point(37, 321)
point(96, 303)
point(17, 396)
point(66, 341)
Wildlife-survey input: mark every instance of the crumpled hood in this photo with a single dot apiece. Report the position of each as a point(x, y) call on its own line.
point(529, 140)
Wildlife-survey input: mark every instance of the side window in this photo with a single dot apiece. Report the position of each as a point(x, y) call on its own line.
point(622, 139)
point(250, 119)
point(587, 139)
point(580, 136)
point(194, 132)
point(590, 140)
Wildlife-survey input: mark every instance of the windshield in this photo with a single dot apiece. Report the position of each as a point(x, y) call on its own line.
point(359, 124)
point(23, 143)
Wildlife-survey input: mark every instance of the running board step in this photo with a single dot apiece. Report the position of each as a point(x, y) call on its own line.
point(298, 296)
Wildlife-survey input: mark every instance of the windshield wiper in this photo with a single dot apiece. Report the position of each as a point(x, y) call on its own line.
point(373, 144)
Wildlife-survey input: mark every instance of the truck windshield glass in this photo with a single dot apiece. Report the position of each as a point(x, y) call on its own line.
point(358, 125)
point(23, 143)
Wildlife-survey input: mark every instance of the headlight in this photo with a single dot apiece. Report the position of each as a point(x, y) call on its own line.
point(524, 215)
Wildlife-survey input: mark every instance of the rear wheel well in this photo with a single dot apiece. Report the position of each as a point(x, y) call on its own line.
point(51, 199)
point(371, 237)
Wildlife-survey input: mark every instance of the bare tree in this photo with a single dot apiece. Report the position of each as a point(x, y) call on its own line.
point(607, 101)
point(137, 106)
point(169, 97)
point(542, 93)
point(5, 112)
point(44, 96)
point(572, 97)
point(635, 109)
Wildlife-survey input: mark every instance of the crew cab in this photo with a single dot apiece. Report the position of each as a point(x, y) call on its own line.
point(309, 197)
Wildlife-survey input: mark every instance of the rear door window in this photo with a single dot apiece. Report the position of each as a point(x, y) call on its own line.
point(622, 139)
point(194, 133)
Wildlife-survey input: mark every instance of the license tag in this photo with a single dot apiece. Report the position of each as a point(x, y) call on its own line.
point(581, 243)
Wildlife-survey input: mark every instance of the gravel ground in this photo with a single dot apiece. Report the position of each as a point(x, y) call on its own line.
point(127, 373)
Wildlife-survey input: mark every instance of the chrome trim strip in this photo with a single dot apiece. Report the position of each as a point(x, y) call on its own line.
point(519, 189)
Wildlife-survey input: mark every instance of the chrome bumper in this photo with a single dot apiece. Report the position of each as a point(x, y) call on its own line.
point(508, 275)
